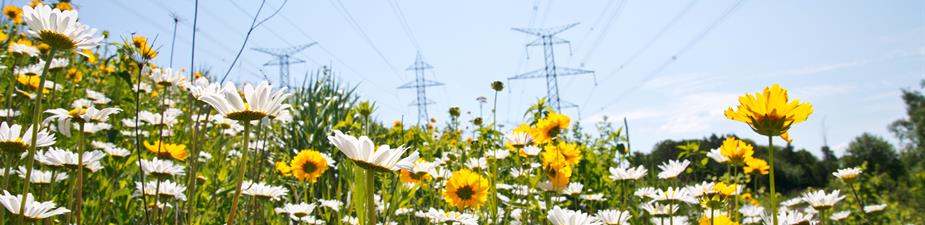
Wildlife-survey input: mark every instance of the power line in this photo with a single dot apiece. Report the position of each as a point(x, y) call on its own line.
point(645, 47)
point(604, 32)
point(729, 11)
point(396, 9)
point(342, 10)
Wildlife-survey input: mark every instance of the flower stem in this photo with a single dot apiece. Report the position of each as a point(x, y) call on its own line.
point(370, 197)
point(773, 189)
point(858, 199)
point(36, 126)
point(80, 177)
point(240, 179)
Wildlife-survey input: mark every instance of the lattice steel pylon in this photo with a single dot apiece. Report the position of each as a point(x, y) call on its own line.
point(420, 84)
point(551, 72)
point(283, 59)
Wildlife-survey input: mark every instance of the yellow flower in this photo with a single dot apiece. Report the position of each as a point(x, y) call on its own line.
point(725, 189)
point(559, 177)
point(308, 165)
point(736, 150)
point(31, 81)
point(717, 220)
point(35, 3)
point(284, 169)
point(549, 127)
point(74, 75)
point(91, 58)
point(167, 150)
point(142, 47)
point(407, 176)
point(770, 112)
point(756, 164)
point(466, 189)
point(64, 6)
point(568, 153)
point(13, 13)
point(3, 36)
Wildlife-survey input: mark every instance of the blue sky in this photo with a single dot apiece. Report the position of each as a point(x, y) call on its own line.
point(848, 58)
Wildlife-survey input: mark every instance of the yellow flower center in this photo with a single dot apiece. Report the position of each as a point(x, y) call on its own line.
point(57, 40)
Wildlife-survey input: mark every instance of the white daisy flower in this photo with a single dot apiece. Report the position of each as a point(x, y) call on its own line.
point(365, 154)
point(55, 157)
point(573, 188)
point(167, 76)
point(23, 49)
point(658, 209)
point(59, 29)
point(202, 87)
point(262, 190)
point(559, 216)
point(621, 173)
point(532, 150)
point(717, 156)
point(792, 202)
point(475, 163)
point(874, 208)
point(840, 215)
point(7, 113)
point(497, 153)
point(820, 200)
point(56, 63)
point(80, 115)
point(34, 210)
point(296, 211)
point(443, 217)
point(110, 149)
point(164, 168)
point(333, 204)
point(42, 177)
point(614, 217)
point(518, 139)
point(13, 140)
point(672, 168)
point(92, 128)
point(645, 192)
point(848, 174)
point(674, 194)
point(260, 102)
point(98, 97)
point(789, 217)
point(165, 188)
point(749, 210)
point(701, 189)
point(170, 117)
point(676, 220)
point(81, 103)
point(593, 197)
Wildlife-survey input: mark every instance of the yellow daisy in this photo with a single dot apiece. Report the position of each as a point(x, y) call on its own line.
point(466, 189)
point(13, 13)
point(736, 150)
point(717, 220)
point(549, 127)
point(308, 165)
point(756, 165)
point(167, 150)
point(770, 112)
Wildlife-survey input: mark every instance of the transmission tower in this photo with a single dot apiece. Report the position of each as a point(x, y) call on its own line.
point(420, 84)
point(551, 72)
point(284, 57)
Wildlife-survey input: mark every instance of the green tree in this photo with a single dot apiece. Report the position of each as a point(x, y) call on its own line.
point(879, 155)
point(911, 130)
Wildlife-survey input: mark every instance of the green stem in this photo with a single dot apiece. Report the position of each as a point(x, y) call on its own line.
point(240, 178)
point(370, 197)
point(773, 189)
point(37, 125)
point(858, 200)
point(80, 177)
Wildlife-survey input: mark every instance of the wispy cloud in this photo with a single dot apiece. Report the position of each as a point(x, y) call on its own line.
point(816, 69)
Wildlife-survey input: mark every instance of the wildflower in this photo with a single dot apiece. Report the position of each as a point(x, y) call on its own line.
point(55, 157)
point(549, 127)
point(417, 173)
point(167, 76)
point(59, 29)
point(717, 156)
point(666, 220)
point(466, 189)
point(874, 208)
point(14, 141)
point(97, 97)
point(756, 165)
point(161, 168)
point(9, 113)
point(559, 216)
point(770, 112)
point(63, 6)
point(840, 215)
point(724, 189)
point(531, 150)
point(167, 150)
point(163, 188)
point(621, 173)
point(80, 115)
point(789, 217)
point(110, 149)
point(820, 200)
point(614, 217)
point(736, 150)
point(658, 209)
point(260, 102)
point(716, 220)
point(364, 153)
point(33, 82)
point(519, 137)
point(673, 194)
point(296, 211)
point(848, 174)
point(34, 210)
point(13, 13)
point(142, 47)
point(331, 204)
point(308, 165)
point(42, 177)
point(264, 191)
point(23, 47)
point(672, 168)
point(567, 153)
point(443, 217)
